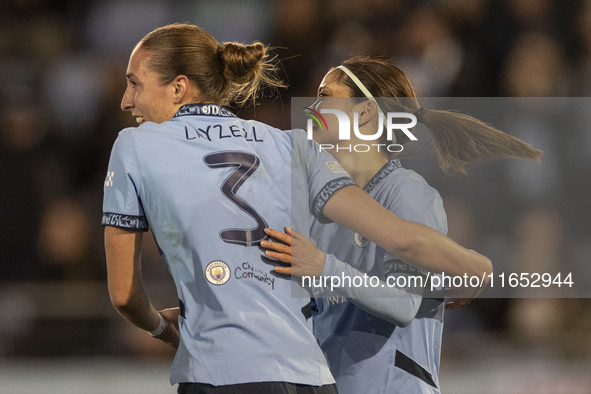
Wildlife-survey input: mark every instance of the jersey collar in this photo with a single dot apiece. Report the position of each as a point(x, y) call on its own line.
point(204, 110)
point(382, 173)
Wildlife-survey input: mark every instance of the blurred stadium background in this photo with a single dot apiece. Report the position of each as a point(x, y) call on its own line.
point(62, 66)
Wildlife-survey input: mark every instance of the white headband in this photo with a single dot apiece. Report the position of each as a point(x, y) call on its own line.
point(360, 85)
point(364, 90)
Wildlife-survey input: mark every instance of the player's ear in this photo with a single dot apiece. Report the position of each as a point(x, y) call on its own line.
point(179, 88)
point(367, 110)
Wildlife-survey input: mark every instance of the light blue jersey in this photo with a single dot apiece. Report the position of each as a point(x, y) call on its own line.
point(207, 183)
point(366, 353)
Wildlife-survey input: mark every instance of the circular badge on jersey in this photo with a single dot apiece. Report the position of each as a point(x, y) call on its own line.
point(217, 272)
point(360, 240)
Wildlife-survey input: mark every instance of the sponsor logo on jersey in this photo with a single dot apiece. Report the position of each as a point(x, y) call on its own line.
point(217, 272)
point(360, 240)
point(335, 167)
point(247, 271)
point(109, 178)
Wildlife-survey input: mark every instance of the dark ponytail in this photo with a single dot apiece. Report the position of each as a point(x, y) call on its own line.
point(459, 139)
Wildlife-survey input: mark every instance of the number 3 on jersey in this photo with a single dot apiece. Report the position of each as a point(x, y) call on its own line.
point(245, 165)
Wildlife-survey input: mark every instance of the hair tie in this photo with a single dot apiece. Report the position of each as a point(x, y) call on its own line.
point(419, 114)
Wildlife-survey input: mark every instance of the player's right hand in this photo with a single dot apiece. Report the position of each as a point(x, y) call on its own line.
point(295, 249)
point(171, 334)
point(280, 251)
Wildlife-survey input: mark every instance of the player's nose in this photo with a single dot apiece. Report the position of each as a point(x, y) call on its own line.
point(126, 101)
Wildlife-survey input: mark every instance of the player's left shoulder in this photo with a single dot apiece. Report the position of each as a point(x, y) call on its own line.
point(404, 179)
point(407, 194)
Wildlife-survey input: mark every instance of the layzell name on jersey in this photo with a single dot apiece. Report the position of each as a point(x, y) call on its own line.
point(219, 132)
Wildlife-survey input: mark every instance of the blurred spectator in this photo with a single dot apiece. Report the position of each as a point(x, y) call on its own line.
point(540, 246)
point(229, 20)
point(115, 26)
point(429, 52)
point(536, 67)
point(65, 242)
point(22, 132)
point(298, 31)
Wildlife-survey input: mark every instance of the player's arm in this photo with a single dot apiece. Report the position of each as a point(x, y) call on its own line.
point(126, 290)
point(396, 305)
point(414, 243)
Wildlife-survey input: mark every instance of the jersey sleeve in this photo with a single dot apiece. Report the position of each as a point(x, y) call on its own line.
point(396, 304)
point(324, 174)
point(414, 200)
point(122, 205)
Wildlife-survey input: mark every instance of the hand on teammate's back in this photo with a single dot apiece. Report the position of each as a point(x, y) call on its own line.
point(293, 248)
point(170, 335)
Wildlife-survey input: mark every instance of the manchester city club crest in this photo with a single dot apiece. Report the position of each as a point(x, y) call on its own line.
point(217, 272)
